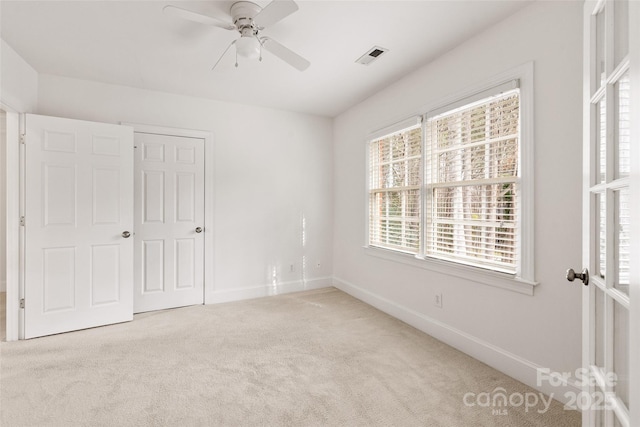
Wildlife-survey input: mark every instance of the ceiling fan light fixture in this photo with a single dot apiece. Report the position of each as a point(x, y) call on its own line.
point(248, 47)
point(249, 19)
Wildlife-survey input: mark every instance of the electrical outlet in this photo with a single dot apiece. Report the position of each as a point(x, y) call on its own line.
point(437, 301)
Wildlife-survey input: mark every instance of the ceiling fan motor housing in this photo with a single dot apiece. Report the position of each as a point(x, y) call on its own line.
point(243, 13)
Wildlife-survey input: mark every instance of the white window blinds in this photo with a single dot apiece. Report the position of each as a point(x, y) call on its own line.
point(394, 189)
point(472, 183)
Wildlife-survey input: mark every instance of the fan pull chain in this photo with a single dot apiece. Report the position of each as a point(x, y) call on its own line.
point(236, 58)
point(224, 53)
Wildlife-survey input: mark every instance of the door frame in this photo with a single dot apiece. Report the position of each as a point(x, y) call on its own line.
point(209, 192)
point(13, 209)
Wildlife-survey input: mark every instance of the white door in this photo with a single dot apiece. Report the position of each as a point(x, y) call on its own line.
point(609, 171)
point(169, 221)
point(78, 211)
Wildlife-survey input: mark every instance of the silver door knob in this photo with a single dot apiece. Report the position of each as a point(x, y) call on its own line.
point(198, 229)
point(126, 234)
point(584, 276)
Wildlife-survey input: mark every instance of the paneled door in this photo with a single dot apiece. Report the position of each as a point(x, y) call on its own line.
point(78, 262)
point(610, 166)
point(169, 221)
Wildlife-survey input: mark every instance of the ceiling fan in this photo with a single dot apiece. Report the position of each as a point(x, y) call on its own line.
point(249, 20)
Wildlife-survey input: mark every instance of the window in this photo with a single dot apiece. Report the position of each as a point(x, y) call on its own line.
point(394, 190)
point(472, 191)
point(456, 190)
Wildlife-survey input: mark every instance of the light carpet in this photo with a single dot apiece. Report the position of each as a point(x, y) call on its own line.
point(305, 359)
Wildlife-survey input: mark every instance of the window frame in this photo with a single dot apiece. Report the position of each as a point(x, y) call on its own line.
point(431, 165)
point(523, 280)
point(402, 126)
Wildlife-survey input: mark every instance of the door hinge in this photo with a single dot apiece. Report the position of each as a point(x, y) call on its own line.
point(22, 138)
point(22, 221)
point(21, 302)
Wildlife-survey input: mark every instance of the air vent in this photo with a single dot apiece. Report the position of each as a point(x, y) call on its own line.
point(371, 55)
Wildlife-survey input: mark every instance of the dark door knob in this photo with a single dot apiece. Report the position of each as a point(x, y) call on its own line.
point(198, 229)
point(584, 276)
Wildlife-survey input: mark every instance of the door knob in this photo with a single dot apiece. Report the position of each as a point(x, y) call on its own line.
point(198, 229)
point(126, 234)
point(584, 276)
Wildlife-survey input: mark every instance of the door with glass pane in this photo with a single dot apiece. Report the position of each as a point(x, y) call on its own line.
point(607, 233)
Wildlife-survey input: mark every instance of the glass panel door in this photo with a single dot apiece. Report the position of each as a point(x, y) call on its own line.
point(607, 152)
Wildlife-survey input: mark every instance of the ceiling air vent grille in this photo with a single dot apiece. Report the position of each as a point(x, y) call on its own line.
point(371, 55)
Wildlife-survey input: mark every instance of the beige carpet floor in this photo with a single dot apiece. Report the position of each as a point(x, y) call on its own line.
point(306, 359)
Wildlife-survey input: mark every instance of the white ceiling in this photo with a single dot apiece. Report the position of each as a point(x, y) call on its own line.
point(133, 43)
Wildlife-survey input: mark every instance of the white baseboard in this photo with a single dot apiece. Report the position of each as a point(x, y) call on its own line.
point(510, 364)
point(268, 290)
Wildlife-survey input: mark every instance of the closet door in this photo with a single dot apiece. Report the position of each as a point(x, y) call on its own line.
point(78, 225)
point(169, 221)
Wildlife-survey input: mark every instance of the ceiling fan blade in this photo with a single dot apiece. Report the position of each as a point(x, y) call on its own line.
point(197, 17)
point(286, 54)
point(274, 12)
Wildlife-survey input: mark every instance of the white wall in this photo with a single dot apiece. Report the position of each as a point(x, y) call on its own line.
point(18, 92)
point(273, 173)
point(511, 331)
point(18, 81)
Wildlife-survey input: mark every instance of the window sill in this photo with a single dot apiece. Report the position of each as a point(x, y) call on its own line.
point(474, 274)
